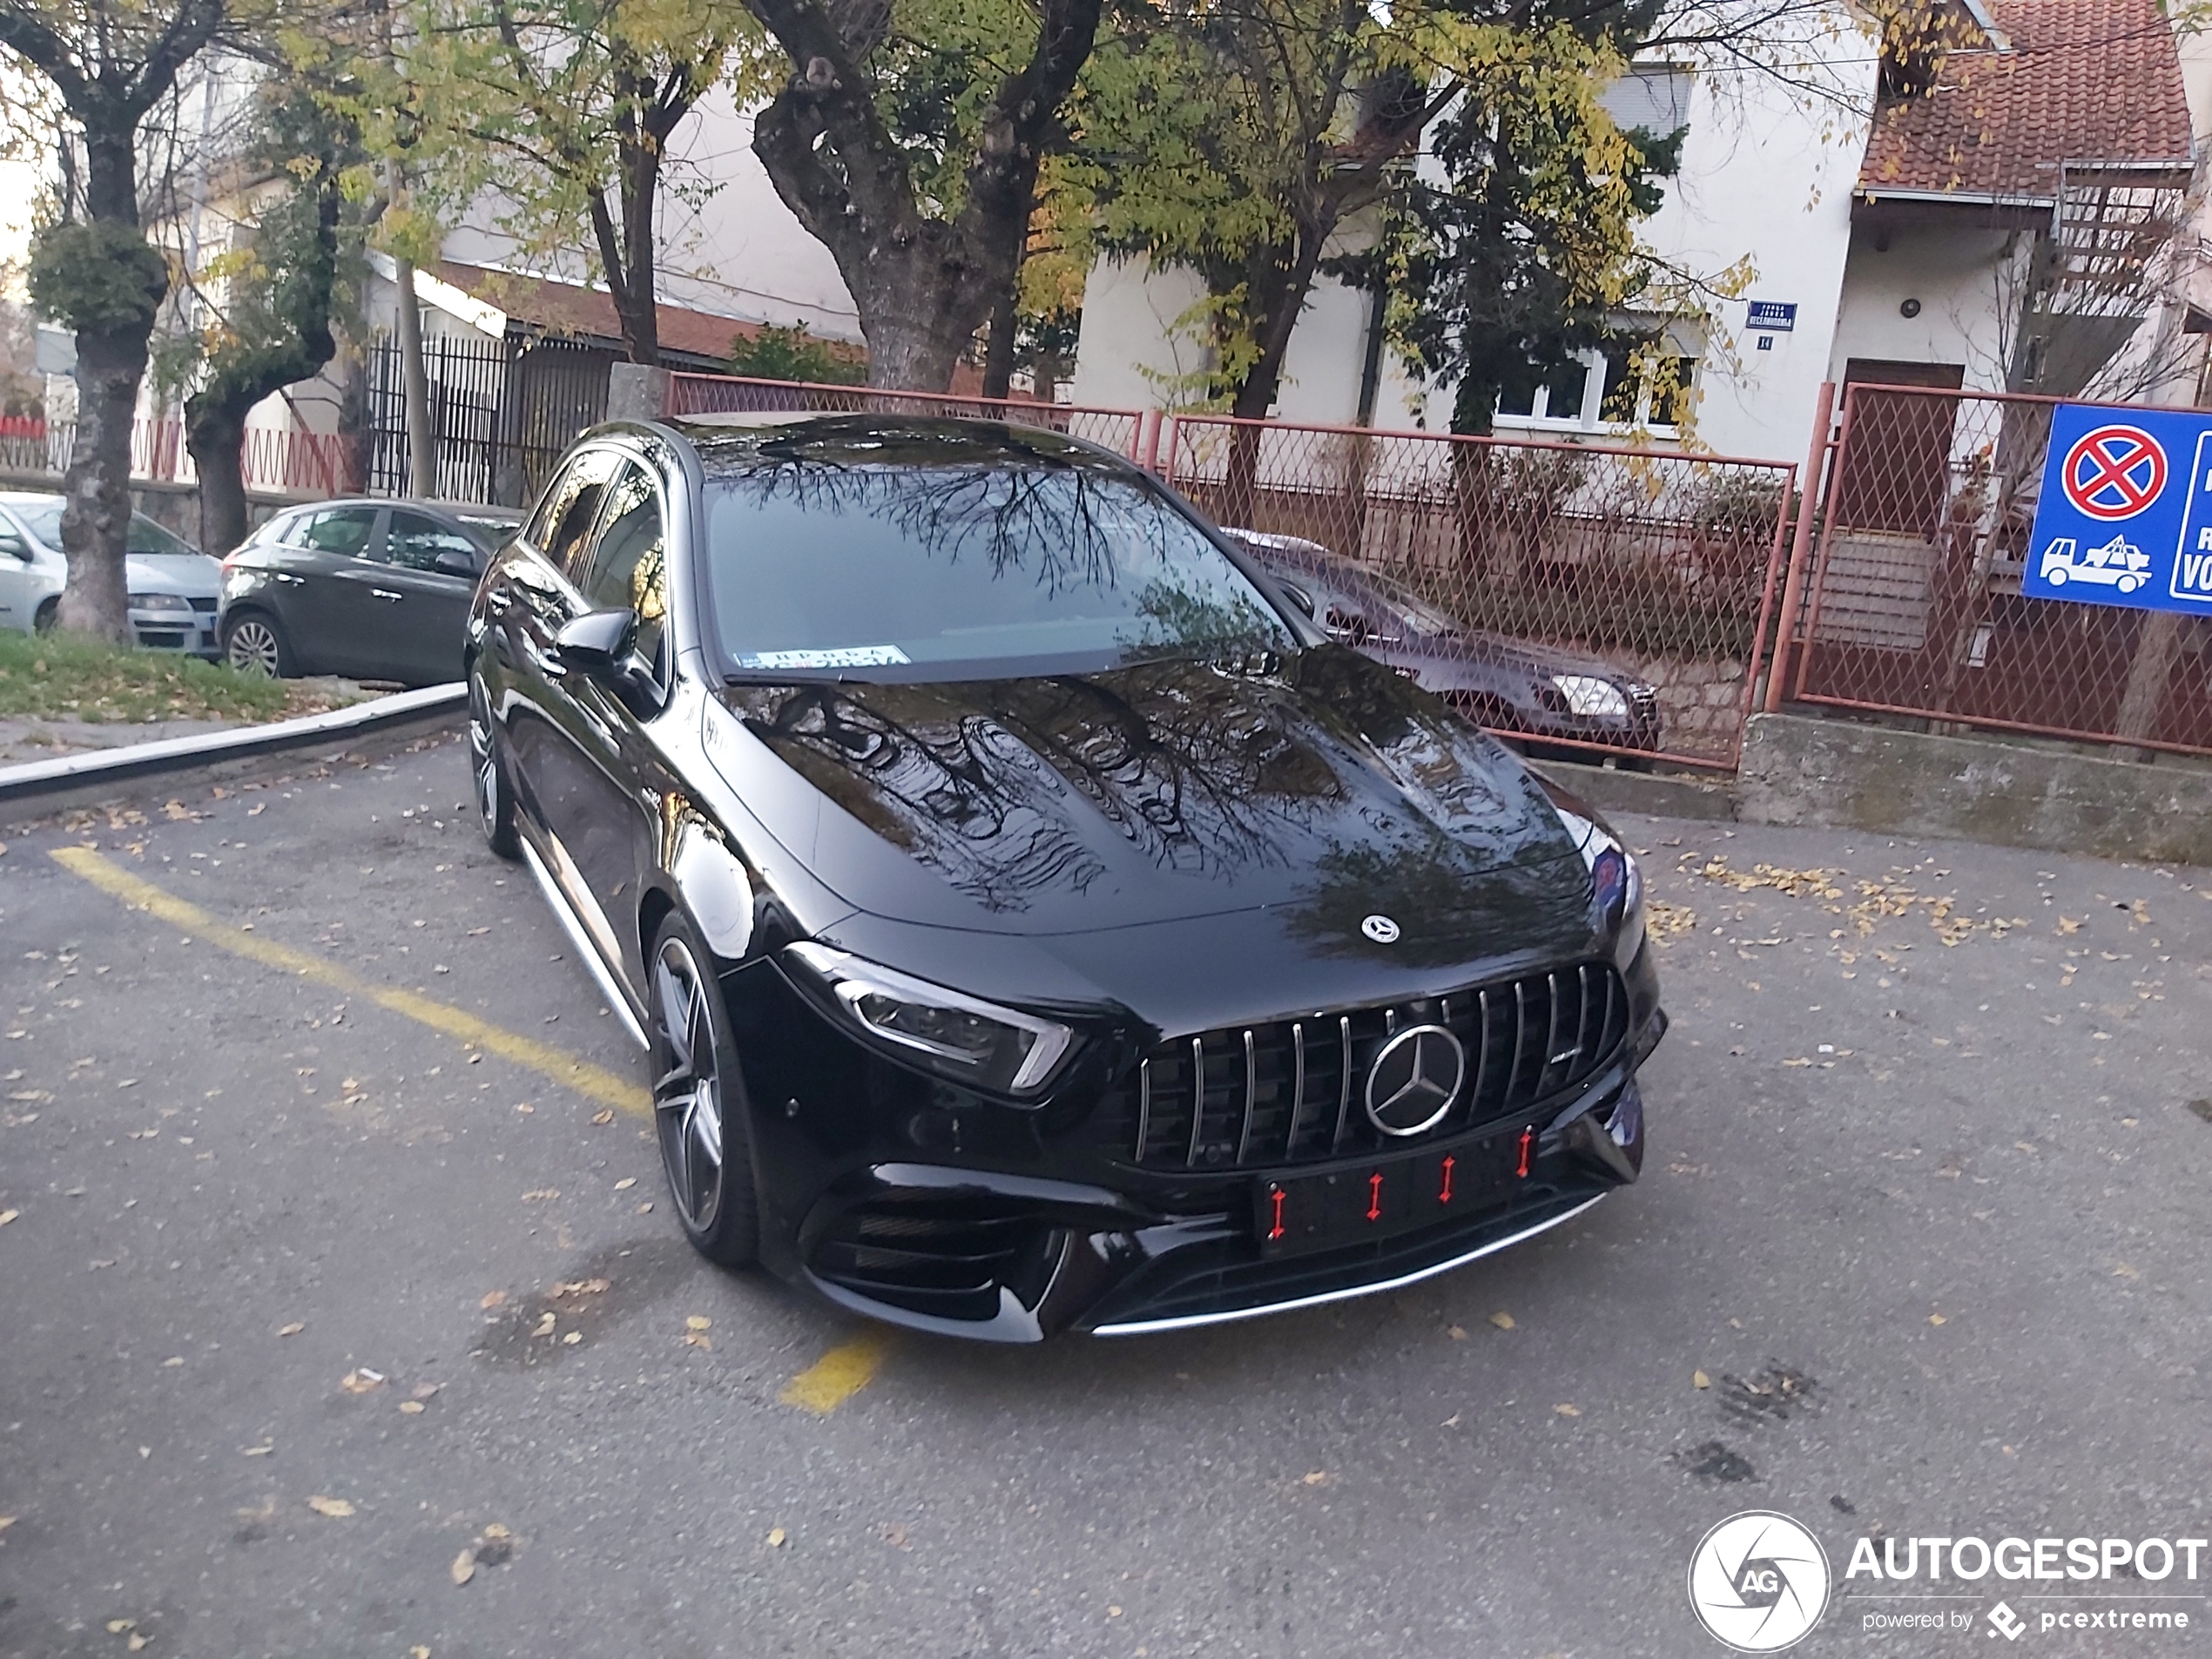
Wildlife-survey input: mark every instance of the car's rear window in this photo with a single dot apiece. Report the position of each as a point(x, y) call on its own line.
point(824, 563)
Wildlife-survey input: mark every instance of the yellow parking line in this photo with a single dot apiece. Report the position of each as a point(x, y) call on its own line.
point(839, 1375)
point(594, 1082)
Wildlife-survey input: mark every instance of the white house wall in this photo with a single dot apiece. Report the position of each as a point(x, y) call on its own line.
point(1953, 271)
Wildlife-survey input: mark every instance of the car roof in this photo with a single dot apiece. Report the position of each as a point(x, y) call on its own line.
point(735, 443)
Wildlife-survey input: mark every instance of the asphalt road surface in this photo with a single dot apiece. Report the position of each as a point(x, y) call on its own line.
point(334, 1266)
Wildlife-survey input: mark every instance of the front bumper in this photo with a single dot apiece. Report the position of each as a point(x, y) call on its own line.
point(895, 1196)
point(191, 631)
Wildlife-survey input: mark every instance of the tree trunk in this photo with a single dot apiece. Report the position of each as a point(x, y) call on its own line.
point(355, 438)
point(908, 353)
point(2149, 674)
point(217, 439)
point(998, 358)
point(415, 378)
point(95, 523)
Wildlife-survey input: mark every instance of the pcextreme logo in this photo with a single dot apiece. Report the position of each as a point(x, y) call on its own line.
point(1758, 1582)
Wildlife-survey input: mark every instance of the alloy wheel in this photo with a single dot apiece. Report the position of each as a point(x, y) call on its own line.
point(687, 1098)
point(253, 648)
point(482, 762)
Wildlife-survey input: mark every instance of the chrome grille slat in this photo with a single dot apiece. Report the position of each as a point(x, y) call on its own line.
point(1500, 1027)
point(1252, 1098)
point(1197, 1099)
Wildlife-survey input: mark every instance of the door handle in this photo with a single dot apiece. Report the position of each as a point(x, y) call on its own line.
point(386, 593)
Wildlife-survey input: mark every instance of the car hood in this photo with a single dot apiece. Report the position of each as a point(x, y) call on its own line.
point(194, 575)
point(1329, 790)
point(1447, 653)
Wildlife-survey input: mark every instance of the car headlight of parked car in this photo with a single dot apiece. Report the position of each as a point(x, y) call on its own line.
point(1589, 695)
point(997, 1049)
point(1616, 879)
point(159, 601)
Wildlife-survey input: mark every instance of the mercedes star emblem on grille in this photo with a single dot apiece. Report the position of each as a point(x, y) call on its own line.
point(1414, 1080)
point(1381, 929)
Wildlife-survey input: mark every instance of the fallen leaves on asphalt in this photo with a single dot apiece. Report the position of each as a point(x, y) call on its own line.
point(581, 1287)
point(1502, 1320)
point(1569, 1411)
point(1699, 1379)
point(776, 1535)
point(336, 1508)
point(492, 1299)
point(291, 1330)
point(361, 1381)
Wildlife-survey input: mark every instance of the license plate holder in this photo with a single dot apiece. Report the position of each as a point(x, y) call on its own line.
point(1297, 1215)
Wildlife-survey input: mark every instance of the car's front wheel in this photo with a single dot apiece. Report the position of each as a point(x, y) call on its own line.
point(487, 773)
point(252, 643)
point(49, 615)
point(699, 1102)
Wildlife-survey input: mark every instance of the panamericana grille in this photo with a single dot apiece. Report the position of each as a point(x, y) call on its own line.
point(1291, 1091)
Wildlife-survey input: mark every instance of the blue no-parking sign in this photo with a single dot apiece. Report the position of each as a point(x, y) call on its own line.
point(2125, 513)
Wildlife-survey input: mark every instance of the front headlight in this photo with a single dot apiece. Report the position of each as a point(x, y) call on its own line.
point(159, 601)
point(1586, 694)
point(999, 1049)
point(1616, 881)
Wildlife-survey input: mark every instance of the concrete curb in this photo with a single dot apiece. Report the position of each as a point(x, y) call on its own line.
point(1645, 793)
point(41, 786)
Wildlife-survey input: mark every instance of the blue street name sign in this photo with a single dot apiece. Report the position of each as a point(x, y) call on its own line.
point(2125, 517)
point(1778, 316)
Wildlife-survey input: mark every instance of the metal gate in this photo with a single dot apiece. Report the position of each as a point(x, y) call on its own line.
point(1905, 585)
point(501, 412)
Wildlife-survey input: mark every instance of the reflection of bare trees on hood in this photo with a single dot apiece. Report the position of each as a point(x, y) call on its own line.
point(988, 783)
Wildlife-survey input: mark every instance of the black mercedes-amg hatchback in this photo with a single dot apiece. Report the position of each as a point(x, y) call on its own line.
point(1035, 921)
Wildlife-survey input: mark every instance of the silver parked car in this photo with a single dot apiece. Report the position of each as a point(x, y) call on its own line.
point(174, 587)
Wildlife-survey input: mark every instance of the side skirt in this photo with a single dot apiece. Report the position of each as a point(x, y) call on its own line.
point(610, 983)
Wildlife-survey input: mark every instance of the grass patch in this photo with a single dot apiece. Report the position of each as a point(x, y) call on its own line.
point(59, 677)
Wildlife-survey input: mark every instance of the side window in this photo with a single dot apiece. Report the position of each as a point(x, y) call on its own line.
point(417, 542)
point(626, 567)
point(11, 543)
point(564, 518)
point(341, 530)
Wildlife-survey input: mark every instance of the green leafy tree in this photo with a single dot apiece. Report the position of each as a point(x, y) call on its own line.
point(107, 65)
point(280, 294)
point(1528, 247)
point(777, 353)
point(558, 115)
point(908, 136)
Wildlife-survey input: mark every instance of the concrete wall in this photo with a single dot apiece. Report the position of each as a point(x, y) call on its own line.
point(1838, 773)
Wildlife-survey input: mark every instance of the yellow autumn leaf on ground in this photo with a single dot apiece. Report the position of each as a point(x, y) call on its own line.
point(336, 1508)
point(698, 1322)
point(291, 1330)
point(412, 1407)
point(464, 1566)
point(361, 1381)
point(625, 1183)
point(545, 1326)
point(1457, 1332)
point(1502, 1320)
point(1569, 1411)
point(1317, 1477)
point(117, 1626)
point(138, 1640)
point(1699, 1379)
point(492, 1299)
point(1936, 1318)
point(776, 1536)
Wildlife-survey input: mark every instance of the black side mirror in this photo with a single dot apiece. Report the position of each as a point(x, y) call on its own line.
point(451, 561)
point(597, 640)
point(1298, 596)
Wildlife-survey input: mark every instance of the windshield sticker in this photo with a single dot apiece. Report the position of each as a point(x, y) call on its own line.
point(848, 656)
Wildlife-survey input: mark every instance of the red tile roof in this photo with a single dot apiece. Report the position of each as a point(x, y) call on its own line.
point(574, 311)
point(2084, 80)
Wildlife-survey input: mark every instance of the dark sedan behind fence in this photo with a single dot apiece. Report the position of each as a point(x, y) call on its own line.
point(1663, 563)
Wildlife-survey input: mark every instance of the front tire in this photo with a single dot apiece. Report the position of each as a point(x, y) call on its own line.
point(488, 776)
point(50, 614)
point(253, 644)
point(700, 1114)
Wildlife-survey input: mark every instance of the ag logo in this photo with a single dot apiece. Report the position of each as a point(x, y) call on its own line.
point(1758, 1582)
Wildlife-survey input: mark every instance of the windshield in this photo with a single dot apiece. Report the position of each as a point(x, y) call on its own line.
point(42, 518)
point(825, 558)
point(1417, 613)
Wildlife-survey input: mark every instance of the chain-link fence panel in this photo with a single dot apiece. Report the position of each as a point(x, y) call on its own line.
point(1913, 604)
point(1120, 430)
point(1579, 597)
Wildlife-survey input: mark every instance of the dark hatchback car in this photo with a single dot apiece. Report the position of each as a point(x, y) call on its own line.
point(371, 590)
point(1507, 684)
point(1035, 924)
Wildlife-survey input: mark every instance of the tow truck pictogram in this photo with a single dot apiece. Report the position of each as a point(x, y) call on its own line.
point(2119, 563)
